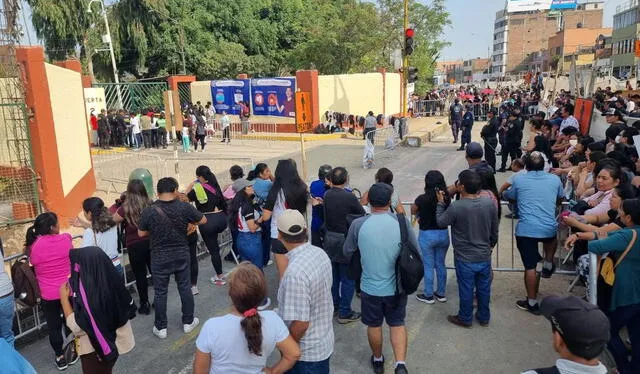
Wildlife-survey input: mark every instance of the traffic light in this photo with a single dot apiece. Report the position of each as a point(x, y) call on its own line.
point(412, 74)
point(408, 41)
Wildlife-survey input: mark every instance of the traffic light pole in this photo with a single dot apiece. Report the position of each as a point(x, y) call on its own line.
point(405, 62)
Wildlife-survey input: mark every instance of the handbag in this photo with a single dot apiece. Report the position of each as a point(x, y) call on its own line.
point(608, 269)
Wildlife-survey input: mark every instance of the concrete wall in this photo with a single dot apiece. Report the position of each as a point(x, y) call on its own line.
point(351, 93)
point(70, 125)
point(393, 94)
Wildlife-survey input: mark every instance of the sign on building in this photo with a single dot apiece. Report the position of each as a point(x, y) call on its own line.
point(533, 5)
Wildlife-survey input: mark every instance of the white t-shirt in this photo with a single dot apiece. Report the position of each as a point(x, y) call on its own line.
point(135, 125)
point(107, 241)
point(570, 121)
point(278, 208)
point(631, 106)
point(223, 338)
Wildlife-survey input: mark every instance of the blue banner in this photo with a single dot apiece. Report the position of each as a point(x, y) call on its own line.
point(564, 4)
point(228, 93)
point(273, 97)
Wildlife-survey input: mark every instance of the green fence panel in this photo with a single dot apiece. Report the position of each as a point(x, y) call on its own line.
point(184, 89)
point(133, 96)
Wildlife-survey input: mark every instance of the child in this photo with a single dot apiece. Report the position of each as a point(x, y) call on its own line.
point(185, 139)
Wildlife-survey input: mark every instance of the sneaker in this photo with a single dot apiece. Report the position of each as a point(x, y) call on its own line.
point(270, 262)
point(524, 305)
point(425, 299)
point(265, 304)
point(440, 298)
point(194, 290)
point(378, 366)
point(460, 149)
point(61, 363)
point(546, 273)
point(401, 369)
point(352, 317)
point(162, 334)
point(74, 358)
point(219, 281)
point(187, 328)
point(144, 308)
point(482, 323)
point(456, 321)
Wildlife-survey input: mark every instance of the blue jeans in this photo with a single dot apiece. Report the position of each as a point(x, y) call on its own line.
point(306, 367)
point(474, 275)
point(6, 318)
point(628, 316)
point(342, 289)
point(250, 247)
point(434, 245)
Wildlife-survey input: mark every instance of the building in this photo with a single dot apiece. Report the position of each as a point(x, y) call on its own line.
point(521, 38)
point(475, 69)
point(574, 44)
point(625, 33)
point(603, 49)
point(453, 71)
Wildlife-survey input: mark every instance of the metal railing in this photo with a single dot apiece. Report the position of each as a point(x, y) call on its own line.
point(243, 131)
point(429, 108)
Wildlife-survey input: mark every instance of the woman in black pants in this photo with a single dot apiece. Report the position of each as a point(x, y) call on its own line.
point(135, 200)
point(206, 193)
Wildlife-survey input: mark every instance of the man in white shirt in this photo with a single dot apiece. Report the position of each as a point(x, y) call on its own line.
point(568, 120)
point(580, 334)
point(225, 122)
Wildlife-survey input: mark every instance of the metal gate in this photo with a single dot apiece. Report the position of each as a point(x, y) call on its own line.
point(133, 96)
point(184, 89)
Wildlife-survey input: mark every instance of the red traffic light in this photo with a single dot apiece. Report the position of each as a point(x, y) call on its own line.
point(408, 33)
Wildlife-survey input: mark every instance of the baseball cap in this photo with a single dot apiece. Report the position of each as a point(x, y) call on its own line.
point(583, 326)
point(474, 150)
point(241, 184)
point(380, 194)
point(292, 222)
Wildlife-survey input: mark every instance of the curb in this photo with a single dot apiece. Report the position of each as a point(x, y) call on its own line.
point(419, 138)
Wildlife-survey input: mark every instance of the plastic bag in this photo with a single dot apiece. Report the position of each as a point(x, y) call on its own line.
point(368, 158)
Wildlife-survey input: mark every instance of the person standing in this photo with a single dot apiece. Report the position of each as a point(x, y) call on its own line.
point(136, 132)
point(154, 129)
point(317, 189)
point(474, 229)
point(200, 132)
point(128, 214)
point(104, 129)
point(537, 195)
point(512, 137)
point(242, 340)
point(206, 193)
point(465, 126)
point(489, 134)
point(455, 118)
point(161, 122)
point(377, 237)
point(225, 123)
point(433, 239)
point(339, 204)
point(304, 296)
point(7, 303)
point(145, 125)
point(48, 252)
point(166, 223)
point(577, 346)
point(264, 181)
point(97, 315)
point(370, 124)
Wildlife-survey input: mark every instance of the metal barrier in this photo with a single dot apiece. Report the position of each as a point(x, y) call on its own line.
point(428, 108)
point(380, 140)
point(134, 95)
point(243, 131)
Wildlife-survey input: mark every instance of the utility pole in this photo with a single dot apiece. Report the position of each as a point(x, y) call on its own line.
point(405, 61)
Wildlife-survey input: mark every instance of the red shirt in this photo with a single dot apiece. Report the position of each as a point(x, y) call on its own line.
point(94, 122)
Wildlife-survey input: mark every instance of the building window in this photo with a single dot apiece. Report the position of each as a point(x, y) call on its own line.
point(516, 22)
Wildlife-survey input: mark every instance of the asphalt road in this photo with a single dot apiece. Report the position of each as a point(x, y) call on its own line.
point(513, 342)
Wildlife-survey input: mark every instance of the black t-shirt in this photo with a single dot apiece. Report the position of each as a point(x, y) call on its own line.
point(427, 213)
point(338, 203)
point(213, 201)
point(169, 234)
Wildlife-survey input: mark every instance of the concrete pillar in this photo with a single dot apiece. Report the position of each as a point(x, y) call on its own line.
point(307, 80)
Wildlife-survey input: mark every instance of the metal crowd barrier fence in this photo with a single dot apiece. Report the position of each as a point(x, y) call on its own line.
point(243, 131)
point(429, 108)
point(31, 319)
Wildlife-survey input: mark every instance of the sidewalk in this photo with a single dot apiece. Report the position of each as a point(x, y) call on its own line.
point(424, 130)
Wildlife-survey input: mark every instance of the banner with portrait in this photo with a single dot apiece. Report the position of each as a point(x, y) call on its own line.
point(227, 94)
point(273, 97)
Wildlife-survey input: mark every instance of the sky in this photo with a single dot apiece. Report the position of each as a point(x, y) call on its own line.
point(471, 30)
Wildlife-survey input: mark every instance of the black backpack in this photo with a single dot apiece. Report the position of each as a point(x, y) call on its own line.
point(409, 267)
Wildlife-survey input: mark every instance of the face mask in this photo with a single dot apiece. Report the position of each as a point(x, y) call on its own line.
point(573, 142)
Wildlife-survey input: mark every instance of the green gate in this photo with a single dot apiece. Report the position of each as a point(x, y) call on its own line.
point(19, 201)
point(133, 96)
point(184, 89)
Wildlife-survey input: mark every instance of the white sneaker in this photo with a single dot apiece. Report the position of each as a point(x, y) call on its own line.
point(265, 304)
point(194, 290)
point(162, 334)
point(270, 262)
point(188, 328)
point(218, 281)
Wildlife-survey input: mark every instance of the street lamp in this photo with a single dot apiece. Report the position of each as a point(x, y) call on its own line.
point(107, 38)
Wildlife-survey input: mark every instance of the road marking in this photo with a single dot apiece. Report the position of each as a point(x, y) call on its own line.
point(187, 338)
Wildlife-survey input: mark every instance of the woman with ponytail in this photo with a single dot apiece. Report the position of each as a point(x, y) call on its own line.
point(206, 193)
point(100, 230)
point(48, 252)
point(242, 341)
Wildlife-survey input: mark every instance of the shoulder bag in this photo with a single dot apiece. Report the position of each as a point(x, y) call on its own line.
point(608, 269)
